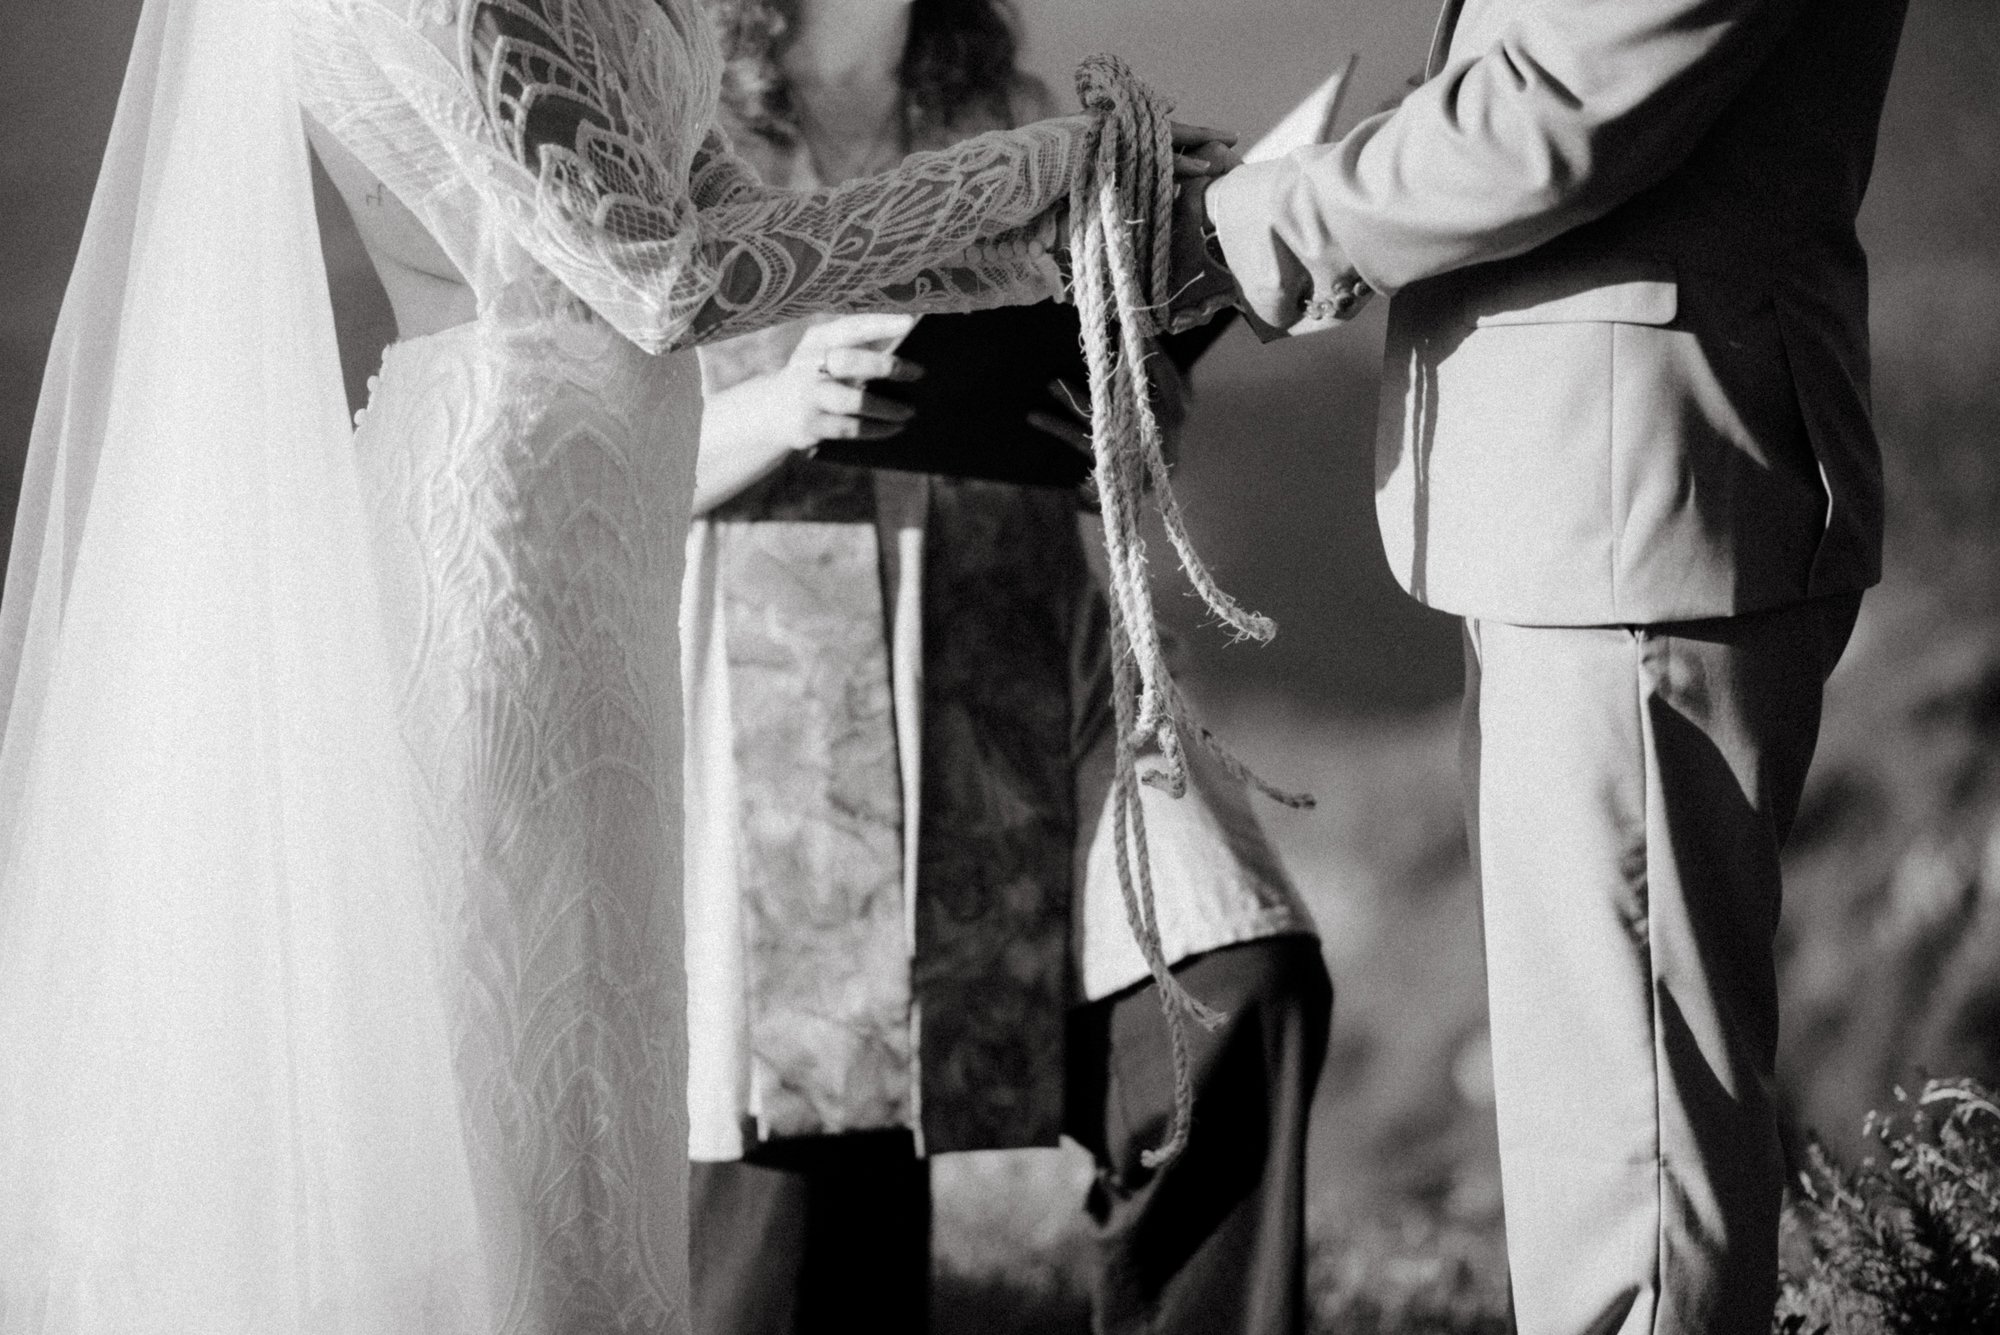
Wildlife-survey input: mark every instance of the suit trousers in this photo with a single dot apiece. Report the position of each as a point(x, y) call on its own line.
point(835, 1231)
point(1628, 792)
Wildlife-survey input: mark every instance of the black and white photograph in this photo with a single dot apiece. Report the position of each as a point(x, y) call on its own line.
point(1000, 667)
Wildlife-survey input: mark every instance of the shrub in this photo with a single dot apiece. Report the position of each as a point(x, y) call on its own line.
point(1909, 1242)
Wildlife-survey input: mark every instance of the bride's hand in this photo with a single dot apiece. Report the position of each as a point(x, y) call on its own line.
point(821, 393)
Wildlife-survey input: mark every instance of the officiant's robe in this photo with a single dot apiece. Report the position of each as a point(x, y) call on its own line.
point(898, 747)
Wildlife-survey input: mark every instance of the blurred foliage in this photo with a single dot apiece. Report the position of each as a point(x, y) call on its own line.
point(1908, 1243)
point(1420, 1273)
point(1890, 950)
point(1928, 225)
point(988, 1302)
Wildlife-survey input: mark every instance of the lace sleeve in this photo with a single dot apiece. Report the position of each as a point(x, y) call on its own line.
point(740, 256)
point(703, 252)
point(720, 178)
point(586, 125)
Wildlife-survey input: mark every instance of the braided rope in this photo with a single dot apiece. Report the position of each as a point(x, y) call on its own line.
point(1121, 208)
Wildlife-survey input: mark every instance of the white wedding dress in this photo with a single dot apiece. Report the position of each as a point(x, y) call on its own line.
point(340, 954)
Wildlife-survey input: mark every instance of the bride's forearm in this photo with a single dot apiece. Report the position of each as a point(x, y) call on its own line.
point(976, 284)
point(921, 238)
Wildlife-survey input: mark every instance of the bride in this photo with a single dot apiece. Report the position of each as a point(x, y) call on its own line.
point(340, 946)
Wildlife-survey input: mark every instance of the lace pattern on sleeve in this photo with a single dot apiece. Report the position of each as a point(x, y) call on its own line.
point(587, 126)
point(696, 251)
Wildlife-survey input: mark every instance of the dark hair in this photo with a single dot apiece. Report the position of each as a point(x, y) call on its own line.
point(958, 65)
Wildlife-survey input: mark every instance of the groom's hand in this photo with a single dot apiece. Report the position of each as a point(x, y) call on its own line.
point(1199, 286)
point(1197, 290)
point(1277, 291)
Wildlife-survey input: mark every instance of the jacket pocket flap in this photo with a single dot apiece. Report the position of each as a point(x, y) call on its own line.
point(1643, 293)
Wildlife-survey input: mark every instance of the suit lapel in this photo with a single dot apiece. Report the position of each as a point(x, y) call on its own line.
point(1441, 37)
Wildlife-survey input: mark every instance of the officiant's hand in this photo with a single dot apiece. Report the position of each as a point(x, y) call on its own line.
point(821, 393)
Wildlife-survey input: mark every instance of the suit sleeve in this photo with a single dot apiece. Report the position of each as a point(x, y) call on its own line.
point(1576, 107)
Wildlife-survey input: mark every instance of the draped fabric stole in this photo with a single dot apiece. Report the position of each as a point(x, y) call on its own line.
point(1003, 580)
point(893, 986)
point(820, 832)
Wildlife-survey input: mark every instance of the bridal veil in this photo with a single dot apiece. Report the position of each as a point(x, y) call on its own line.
point(226, 1099)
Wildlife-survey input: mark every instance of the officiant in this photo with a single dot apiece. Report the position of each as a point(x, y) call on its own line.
point(904, 932)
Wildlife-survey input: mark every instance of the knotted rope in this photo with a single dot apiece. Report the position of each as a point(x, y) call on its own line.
point(1120, 236)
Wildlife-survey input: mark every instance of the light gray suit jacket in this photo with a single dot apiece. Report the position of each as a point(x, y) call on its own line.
point(1627, 368)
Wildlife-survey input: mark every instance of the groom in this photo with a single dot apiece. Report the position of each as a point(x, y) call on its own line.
point(1625, 435)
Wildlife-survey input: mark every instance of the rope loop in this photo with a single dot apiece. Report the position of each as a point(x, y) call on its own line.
point(1120, 245)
